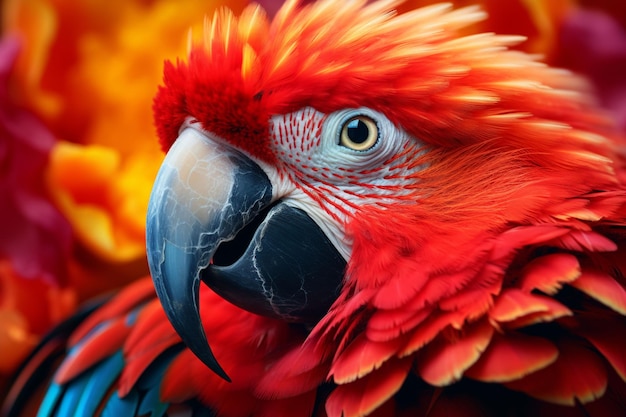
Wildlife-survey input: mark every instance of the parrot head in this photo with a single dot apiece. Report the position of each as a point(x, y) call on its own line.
point(383, 180)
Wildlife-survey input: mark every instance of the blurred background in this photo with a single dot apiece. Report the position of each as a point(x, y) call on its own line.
point(78, 151)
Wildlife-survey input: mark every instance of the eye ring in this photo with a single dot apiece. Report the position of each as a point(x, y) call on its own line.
point(359, 133)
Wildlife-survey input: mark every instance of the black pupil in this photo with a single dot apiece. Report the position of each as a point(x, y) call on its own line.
point(357, 131)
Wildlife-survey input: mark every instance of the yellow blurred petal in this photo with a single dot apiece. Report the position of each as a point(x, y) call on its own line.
point(104, 198)
point(84, 171)
point(132, 190)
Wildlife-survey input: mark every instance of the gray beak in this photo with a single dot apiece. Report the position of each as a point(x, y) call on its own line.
point(211, 218)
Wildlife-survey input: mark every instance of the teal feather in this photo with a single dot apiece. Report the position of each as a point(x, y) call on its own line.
point(99, 384)
point(150, 382)
point(71, 397)
point(51, 400)
point(117, 407)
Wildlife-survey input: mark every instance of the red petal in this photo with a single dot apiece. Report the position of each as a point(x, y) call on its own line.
point(522, 309)
point(511, 357)
point(445, 360)
point(361, 397)
point(603, 288)
point(578, 374)
point(549, 272)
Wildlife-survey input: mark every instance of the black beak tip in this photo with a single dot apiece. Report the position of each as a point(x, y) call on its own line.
point(185, 319)
point(179, 298)
point(203, 352)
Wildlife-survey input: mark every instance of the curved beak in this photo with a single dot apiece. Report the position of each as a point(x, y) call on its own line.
point(281, 265)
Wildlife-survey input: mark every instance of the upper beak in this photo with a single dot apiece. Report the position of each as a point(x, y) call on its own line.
point(204, 195)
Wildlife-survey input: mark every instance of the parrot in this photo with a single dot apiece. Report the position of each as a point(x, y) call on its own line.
point(362, 212)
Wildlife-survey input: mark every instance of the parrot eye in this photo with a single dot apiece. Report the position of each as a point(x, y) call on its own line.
point(359, 133)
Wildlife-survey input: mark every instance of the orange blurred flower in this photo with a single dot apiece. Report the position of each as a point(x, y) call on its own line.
point(89, 69)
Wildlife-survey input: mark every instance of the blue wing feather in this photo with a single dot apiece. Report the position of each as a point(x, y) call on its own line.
point(72, 395)
point(99, 383)
point(117, 407)
point(151, 404)
point(94, 391)
point(51, 400)
point(150, 381)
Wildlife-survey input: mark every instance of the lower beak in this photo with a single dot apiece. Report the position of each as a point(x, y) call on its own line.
point(204, 195)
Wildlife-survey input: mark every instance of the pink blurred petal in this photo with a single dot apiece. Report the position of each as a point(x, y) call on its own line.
point(594, 44)
point(33, 234)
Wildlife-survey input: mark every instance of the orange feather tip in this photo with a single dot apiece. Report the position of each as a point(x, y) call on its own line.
point(603, 288)
point(548, 273)
point(361, 357)
point(510, 357)
point(445, 360)
point(364, 395)
point(516, 308)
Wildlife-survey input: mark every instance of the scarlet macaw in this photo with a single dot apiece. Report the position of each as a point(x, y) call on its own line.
point(390, 218)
